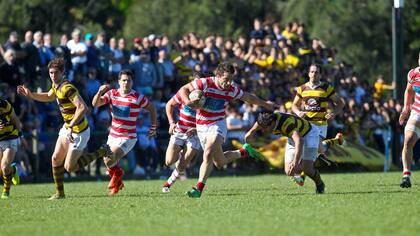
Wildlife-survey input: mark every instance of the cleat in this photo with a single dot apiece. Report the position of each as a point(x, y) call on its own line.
point(116, 177)
point(5, 195)
point(57, 196)
point(320, 188)
point(405, 182)
point(252, 152)
point(194, 193)
point(299, 179)
point(105, 151)
point(340, 137)
point(15, 177)
point(117, 188)
point(165, 190)
point(323, 159)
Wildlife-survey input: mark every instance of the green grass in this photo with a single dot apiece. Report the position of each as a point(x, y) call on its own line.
point(354, 204)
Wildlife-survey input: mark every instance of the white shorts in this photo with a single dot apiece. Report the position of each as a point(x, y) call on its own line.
point(181, 139)
point(218, 128)
point(310, 147)
point(80, 139)
point(322, 130)
point(414, 115)
point(11, 143)
point(125, 144)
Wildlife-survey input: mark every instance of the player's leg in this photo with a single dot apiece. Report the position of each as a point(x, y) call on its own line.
point(328, 143)
point(172, 152)
point(309, 154)
point(6, 166)
point(57, 161)
point(411, 135)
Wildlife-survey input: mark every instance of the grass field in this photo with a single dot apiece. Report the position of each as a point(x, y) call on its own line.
point(354, 204)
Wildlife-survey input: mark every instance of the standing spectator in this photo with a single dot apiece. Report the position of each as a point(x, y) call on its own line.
point(116, 59)
point(92, 84)
point(104, 55)
point(9, 71)
point(31, 59)
point(78, 51)
point(92, 53)
point(63, 51)
point(125, 53)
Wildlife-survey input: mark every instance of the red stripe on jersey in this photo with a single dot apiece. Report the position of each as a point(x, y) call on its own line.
point(123, 122)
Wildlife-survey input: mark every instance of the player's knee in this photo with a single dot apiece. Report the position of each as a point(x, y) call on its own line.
point(410, 141)
point(6, 169)
point(69, 167)
point(218, 165)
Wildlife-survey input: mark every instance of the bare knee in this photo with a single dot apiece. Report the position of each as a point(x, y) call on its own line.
point(6, 169)
point(218, 164)
point(70, 168)
point(410, 141)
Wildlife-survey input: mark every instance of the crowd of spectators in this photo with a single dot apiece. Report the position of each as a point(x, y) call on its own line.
point(271, 61)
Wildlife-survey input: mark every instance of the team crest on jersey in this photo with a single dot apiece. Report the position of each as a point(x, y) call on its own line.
point(121, 111)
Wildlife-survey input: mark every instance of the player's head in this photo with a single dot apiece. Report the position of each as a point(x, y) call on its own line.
point(266, 120)
point(125, 80)
point(56, 69)
point(314, 71)
point(224, 74)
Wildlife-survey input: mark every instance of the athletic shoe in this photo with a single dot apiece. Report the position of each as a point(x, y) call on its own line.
point(405, 182)
point(194, 193)
point(57, 196)
point(117, 188)
point(299, 179)
point(116, 176)
point(320, 188)
point(15, 177)
point(252, 152)
point(340, 138)
point(323, 159)
point(165, 190)
point(5, 195)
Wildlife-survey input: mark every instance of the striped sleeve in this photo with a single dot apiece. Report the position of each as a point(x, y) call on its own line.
point(299, 92)
point(238, 92)
point(70, 91)
point(107, 96)
point(177, 99)
point(410, 76)
point(330, 92)
point(143, 101)
point(200, 84)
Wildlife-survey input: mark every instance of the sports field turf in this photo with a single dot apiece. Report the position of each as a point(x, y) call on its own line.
point(354, 204)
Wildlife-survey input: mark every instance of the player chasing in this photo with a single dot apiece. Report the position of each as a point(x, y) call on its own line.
point(10, 130)
point(184, 144)
point(211, 123)
point(411, 110)
point(125, 105)
point(302, 145)
point(317, 102)
point(74, 134)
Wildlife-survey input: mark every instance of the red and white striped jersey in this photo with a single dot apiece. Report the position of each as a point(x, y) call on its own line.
point(216, 100)
point(124, 111)
point(413, 78)
point(186, 116)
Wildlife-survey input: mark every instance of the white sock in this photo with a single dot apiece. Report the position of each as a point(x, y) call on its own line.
point(173, 177)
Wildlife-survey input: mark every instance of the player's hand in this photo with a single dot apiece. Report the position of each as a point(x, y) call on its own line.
point(172, 127)
point(104, 88)
point(152, 131)
point(70, 135)
point(301, 114)
point(192, 103)
point(191, 132)
point(330, 116)
point(403, 116)
point(24, 91)
point(293, 168)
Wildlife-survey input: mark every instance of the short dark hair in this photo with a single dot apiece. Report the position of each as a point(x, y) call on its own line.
point(57, 63)
point(129, 73)
point(225, 67)
point(318, 66)
point(265, 119)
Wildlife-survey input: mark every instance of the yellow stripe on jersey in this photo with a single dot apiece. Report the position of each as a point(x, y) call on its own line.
point(316, 101)
point(287, 124)
point(65, 93)
point(9, 130)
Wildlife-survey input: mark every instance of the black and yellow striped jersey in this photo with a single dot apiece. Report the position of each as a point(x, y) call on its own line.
point(286, 124)
point(65, 93)
point(9, 130)
point(316, 101)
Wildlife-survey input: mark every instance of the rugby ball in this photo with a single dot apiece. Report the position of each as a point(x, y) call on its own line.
point(198, 97)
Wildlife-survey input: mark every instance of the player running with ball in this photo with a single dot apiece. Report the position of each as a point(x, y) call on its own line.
point(211, 123)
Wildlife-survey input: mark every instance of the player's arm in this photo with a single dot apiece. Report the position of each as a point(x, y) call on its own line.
point(153, 117)
point(253, 99)
point(296, 105)
point(169, 114)
point(408, 101)
point(249, 136)
point(40, 97)
point(99, 100)
point(81, 109)
point(337, 107)
point(184, 92)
